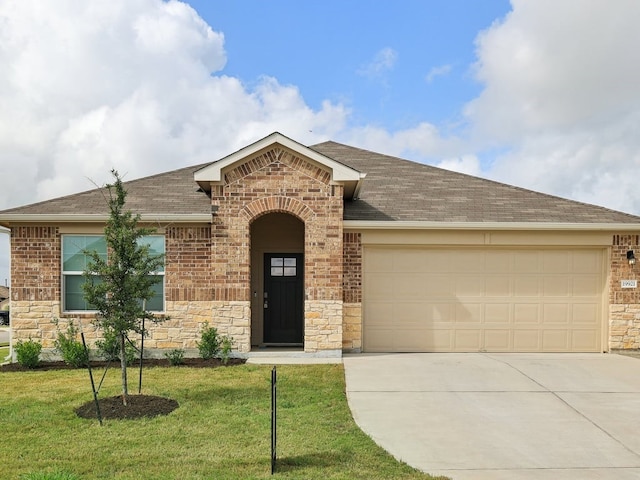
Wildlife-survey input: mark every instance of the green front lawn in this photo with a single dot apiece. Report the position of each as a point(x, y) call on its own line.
point(4, 351)
point(221, 429)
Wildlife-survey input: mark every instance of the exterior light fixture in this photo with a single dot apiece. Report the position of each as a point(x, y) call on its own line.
point(631, 258)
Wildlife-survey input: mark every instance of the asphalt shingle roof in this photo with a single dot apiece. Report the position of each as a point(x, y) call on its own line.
point(400, 190)
point(393, 190)
point(173, 192)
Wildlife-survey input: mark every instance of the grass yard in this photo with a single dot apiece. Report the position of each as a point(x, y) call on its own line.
point(221, 429)
point(4, 351)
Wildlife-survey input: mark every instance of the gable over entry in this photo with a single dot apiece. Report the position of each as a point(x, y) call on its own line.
point(259, 184)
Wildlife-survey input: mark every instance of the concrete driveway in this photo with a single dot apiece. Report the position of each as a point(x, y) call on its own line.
point(502, 416)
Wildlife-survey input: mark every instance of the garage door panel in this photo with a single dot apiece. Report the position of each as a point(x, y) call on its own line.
point(584, 262)
point(410, 260)
point(467, 340)
point(586, 314)
point(439, 286)
point(555, 340)
point(527, 286)
point(526, 313)
point(379, 314)
point(443, 312)
point(527, 262)
point(467, 286)
point(557, 314)
point(409, 286)
point(467, 312)
point(413, 315)
point(482, 299)
point(527, 340)
point(498, 286)
point(585, 341)
point(497, 340)
point(498, 262)
point(586, 286)
point(556, 286)
point(556, 261)
point(497, 313)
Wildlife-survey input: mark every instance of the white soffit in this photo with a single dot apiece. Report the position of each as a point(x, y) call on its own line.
point(212, 173)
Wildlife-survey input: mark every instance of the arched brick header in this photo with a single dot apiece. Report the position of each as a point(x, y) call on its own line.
point(265, 205)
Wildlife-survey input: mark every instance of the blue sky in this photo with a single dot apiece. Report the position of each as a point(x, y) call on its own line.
point(540, 94)
point(393, 63)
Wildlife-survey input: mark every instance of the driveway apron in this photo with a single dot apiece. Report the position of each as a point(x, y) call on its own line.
point(502, 416)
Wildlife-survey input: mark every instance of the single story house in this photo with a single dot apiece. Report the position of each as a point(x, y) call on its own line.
point(329, 249)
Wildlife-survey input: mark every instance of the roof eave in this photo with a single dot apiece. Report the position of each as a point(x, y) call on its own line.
point(8, 220)
point(542, 226)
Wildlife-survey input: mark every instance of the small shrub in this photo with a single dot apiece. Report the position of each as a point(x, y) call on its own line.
point(213, 345)
point(209, 344)
point(225, 349)
point(70, 348)
point(175, 357)
point(109, 348)
point(28, 353)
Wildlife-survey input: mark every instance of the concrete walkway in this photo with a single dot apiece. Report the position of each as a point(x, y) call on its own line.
point(502, 416)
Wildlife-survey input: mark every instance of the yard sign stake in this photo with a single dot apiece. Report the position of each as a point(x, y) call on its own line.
point(273, 420)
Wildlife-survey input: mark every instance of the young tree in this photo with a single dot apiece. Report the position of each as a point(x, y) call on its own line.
point(119, 286)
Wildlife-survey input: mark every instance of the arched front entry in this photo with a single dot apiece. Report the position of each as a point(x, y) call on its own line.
point(277, 280)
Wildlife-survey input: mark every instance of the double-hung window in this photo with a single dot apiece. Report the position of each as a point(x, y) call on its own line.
point(75, 261)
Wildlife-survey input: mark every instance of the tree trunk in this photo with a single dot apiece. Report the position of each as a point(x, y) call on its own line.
point(123, 366)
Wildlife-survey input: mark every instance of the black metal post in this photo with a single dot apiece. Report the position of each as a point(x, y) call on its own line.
point(141, 353)
point(93, 386)
point(273, 420)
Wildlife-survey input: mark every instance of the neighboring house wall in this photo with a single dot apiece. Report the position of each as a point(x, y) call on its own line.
point(624, 303)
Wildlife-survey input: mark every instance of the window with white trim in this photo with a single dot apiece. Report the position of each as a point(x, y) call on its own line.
point(75, 261)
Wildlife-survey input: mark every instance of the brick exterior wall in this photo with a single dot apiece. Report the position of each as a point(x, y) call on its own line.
point(352, 293)
point(624, 303)
point(35, 264)
point(279, 181)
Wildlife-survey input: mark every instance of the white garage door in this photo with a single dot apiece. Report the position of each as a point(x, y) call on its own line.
point(470, 300)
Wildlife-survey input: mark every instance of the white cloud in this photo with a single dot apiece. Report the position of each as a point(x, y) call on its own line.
point(469, 164)
point(134, 85)
point(383, 62)
point(562, 94)
point(438, 71)
point(424, 141)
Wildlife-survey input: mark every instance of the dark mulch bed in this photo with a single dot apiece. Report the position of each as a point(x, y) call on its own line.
point(138, 406)
point(147, 362)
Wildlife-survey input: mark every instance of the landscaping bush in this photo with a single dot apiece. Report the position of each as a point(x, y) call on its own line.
point(175, 357)
point(109, 348)
point(28, 353)
point(226, 344)
point(212, 345)
point(70, 348)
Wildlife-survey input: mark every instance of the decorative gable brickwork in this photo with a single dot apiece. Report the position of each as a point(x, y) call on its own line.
point(277, 180)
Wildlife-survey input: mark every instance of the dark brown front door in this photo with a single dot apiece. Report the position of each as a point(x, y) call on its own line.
point(283, 298)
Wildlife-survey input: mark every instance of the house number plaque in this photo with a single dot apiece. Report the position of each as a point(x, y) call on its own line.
point(629, 283)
